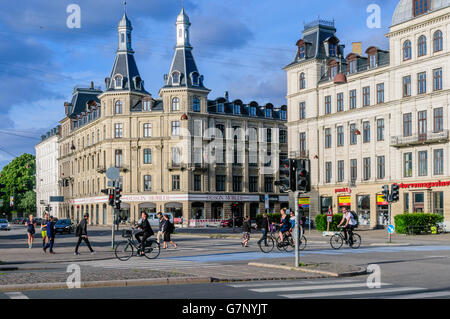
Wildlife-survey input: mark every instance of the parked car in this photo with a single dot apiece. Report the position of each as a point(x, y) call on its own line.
point(229, 222)
point(64, 226)
point(154, 221)
point(4, 225)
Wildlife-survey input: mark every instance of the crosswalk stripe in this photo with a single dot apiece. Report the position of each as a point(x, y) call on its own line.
point(434, 294)
point(350, 293)
point(16, 295)
point(314, 287)
point(269, 284)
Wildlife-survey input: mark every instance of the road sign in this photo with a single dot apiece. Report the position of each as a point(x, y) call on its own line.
point(391, 229)
point(58, 199)
point(113, 173)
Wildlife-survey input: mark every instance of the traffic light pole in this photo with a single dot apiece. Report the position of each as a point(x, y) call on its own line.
point(297, 230)
point(389, 213)
point(113, 218)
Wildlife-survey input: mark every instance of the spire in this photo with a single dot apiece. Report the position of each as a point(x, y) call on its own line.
point(183, 25)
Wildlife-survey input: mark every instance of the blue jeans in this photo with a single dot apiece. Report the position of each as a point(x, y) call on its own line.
point(51, 241)
point(263, 237)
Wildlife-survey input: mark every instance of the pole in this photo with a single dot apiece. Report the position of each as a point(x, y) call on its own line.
point(297, 230)
point(113, 218)
point(389, 208)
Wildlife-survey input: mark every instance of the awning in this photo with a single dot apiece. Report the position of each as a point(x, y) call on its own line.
point(147, 205)
point(173, 205)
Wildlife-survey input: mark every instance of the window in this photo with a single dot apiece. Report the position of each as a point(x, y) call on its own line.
point(118, 158)
point(381, 171)
point(253, 184)
point(176, 78)
point(175, 128)
point(422, 83)
point(437, 79)
point(147, 183)
point(175, 104)
point(333, 72)
point(268, 184)
point(340, 136)
point(333, 49)
point(328, 138)
point(237, 183)
point(353, 169)
point(380, 93)
point(195, 79)
point(353, 136)
point(407, 165)
point(366, 168)
point(118, 107)
point(301, 52)
point(340, 173)
point(353, 66)
point(220, 183)
point(147, 130)
point(340, 102)
point(407, 50)
point(422, 46)
point(352, 99)
point(176, 156)
point(175, 182)
point(197, 182)
point(422, 124)
point(366, 132)
point(196, 104)
point(118, 82)
point(438, 41)
point(421, 7)
point(147, 105)
point(283, 114)
point(438, 162)
point(283, 136)
point(118, 130)
point(252, 111)
point(302, 81)
point(147, 156)
point(380, 130)
point(407, 86)
point(328, 104)
point(302, 110)
point(366, 96)
point(268, 112)
point(438, 123)
point(236, 109)
point(269, 135)
point(328, 168)
point(302, 142)
point(423, 163)
point(220, 108)
point(407, 124)
point(373, 61)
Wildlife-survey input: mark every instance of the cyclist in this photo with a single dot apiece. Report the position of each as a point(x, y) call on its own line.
point(285, 224)
point(350, 224)
point(145, 231)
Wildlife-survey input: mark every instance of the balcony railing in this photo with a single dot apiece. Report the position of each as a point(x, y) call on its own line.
point(299, 154)
point(418, 139)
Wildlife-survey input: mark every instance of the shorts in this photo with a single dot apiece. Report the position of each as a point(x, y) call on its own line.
point(246, 236)
point(43, 233)
point(31, 231)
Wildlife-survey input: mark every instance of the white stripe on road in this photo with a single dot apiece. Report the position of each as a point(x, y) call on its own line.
point(314, 287)
point(350, 293)
point(423, 295)
point(16, 295)
point(269, 284)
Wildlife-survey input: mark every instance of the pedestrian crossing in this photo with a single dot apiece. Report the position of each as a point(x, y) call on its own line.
point(353, 289)
point(144, 263)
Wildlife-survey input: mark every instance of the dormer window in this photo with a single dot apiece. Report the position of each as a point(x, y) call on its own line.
point(302, 52)
point(353, 66)
point(176, 78)
point(333, 49)
point(252, 111)
point(195, 79)
point(137, 82)
point(118, 82)
point(236, 109)
point(421, 7)
point(220, 107)
point(268, 112)
point(373, 61)
point(147, 105)
point(333, 70)
point(283, 114)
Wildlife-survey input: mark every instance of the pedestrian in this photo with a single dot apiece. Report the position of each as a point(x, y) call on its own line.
point(264, 225)
point(159, 235)
point(167, 229)
point(31, 224)
point(246, 229)
point(44, 229)
point(81, 233)
point(50, 235)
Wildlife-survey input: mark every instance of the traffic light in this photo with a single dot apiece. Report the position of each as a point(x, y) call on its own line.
point(395, 193)
point(386, 192)
point(111, 197)
point(117, 196)
point(303, 176)
point(285, 175)
point(1, 187)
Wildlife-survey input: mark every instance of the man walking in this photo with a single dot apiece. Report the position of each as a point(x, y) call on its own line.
point(81, 233)
point(44, 230)
point(264, 229)
point(50, 235)
point(160, 232)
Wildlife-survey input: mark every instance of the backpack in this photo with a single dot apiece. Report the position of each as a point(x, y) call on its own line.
point(354, 215)
point(170, 227)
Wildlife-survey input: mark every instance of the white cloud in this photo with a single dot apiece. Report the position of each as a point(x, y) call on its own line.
point(40, 114)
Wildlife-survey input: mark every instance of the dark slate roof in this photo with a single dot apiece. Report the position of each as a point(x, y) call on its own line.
point(80, 98)
point(245, 109)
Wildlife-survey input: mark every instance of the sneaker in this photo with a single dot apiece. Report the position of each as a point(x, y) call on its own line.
point(44, 249)
point(76, 254)
point(93, 252)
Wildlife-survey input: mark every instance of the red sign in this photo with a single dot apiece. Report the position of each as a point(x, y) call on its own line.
point(343, 190)
point(425, 185)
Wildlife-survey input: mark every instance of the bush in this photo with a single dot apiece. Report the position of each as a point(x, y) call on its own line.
point(275, 218)
point(403, 221)
point(321, 222)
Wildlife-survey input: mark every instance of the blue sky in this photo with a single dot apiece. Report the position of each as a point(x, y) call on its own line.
point(240, 46)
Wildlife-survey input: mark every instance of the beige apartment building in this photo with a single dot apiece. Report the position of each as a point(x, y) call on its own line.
point(182, 153)
point(375, 118)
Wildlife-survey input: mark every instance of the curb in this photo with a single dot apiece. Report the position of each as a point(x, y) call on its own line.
point(362, 271)
point(113, 283)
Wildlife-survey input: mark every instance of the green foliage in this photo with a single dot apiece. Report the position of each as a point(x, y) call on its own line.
point(321, 222)
point(27, 202)
point(403, 221)
point(276, 217)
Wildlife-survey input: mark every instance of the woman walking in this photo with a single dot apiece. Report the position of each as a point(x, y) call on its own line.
point(246, 229)
point(167, 229)
point(31, 224)
point(44, 230)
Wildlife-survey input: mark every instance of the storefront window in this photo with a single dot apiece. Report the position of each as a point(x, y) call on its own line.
point(364, 209)
point(406, 202)
point(325, 202)
point(419, 199)
point(438, 203)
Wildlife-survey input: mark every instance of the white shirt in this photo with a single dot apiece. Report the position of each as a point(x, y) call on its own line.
point(351, 221)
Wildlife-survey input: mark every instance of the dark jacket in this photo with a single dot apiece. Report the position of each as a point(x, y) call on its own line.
point(265, 223)
point(246, 227)
point(51, 229)
point(161, 223)
point(145, 226)
point(82, 228)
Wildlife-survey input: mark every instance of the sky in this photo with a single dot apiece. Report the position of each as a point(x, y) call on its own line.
point(240, 46)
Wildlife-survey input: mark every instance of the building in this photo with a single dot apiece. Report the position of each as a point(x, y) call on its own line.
point(181, 153)
point(47, 172)
point(367, 120)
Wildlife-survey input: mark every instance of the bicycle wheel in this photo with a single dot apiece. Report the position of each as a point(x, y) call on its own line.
point(289, 244)
point(152, 249)
point(123, 251)
point(270, 244)
point(280, 245)
point(356, 241)
point(336, 241)
point(302, 243)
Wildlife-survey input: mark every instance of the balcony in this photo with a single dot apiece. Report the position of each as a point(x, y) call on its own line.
point(302, 154)
point(198, 166)
point(420, 139)
point(176, 166)
point(101, 169)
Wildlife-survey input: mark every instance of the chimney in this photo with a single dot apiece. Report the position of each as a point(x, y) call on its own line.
point(92, 85)
point(357, 48)
point(226, 96)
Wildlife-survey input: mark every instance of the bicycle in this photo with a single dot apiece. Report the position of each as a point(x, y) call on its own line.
point(337, 240)
point(125, 249)
point(289, 243)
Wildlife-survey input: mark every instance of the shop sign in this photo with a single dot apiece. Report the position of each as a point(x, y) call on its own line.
point(343, 190)
point(381, 201)
point(425, 185)
point(304, 202)
point(345, 201)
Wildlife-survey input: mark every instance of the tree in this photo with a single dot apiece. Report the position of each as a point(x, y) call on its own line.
point(27, 202)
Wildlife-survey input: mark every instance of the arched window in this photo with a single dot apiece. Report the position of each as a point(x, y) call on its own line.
point(302, 81)
point(422, 46)
point(118, 108)
point(438, 41)
point(176, 78)
point(196, 104)
point(301, 52)
point(407, 50)
point(118, 82)
point(175, 104)
point(195, 78)
point(421, 7)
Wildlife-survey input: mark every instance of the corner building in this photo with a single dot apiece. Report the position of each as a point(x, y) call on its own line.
point(159, 145)
point(382, 117)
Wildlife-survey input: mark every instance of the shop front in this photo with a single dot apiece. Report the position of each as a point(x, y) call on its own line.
point(176, 209)
point(326, 202)
point(198, 210)
point(254, 210)
point(147, 208)
point(124, 212)
point(382, 212)
point(304, 204)
point(217, 210)
point(363, 209)
point(344, 201)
